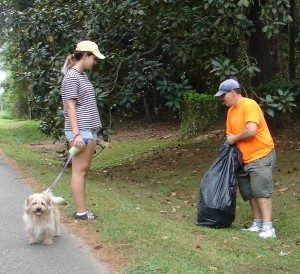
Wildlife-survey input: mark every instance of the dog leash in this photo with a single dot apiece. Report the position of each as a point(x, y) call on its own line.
point(64, 168)
point(67, 162)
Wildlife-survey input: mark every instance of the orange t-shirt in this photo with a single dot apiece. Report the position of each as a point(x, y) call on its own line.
point(259, 145)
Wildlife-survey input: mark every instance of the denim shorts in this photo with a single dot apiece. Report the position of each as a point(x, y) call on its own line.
point(85, 134)
point(256, 178)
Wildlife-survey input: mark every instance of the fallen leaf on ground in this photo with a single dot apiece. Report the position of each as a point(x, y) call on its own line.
point(284, 253)
point(202, 238)
point(283, 189)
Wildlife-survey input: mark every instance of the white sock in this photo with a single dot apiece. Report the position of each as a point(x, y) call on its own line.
point(81, 213)
point(259, 222)
point(267, 225)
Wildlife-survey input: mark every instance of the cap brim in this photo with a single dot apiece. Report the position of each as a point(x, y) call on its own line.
point(99, 55)
point(220, 92)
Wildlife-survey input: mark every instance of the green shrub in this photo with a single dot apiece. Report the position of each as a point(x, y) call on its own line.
point(279, 102)
point(200, 112)
point(272, 87)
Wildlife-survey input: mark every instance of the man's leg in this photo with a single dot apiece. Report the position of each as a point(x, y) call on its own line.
point(265, 208)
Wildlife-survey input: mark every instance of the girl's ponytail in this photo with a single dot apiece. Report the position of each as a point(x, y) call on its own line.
point(69, 62)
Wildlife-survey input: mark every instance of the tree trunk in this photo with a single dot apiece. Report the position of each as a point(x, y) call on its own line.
point(292, 68)
point(146, 106)
point(265, 51)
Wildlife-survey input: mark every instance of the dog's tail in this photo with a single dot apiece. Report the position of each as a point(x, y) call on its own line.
point(57, 200)
point(54, 199)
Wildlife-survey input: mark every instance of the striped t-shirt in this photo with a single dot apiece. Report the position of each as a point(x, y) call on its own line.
point(76, 85)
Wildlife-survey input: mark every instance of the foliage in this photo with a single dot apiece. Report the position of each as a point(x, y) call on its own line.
point(282, 102)
point(280, 99)
point(156, 50)
point(200, 113)
point(5, 115)
point(272, 87)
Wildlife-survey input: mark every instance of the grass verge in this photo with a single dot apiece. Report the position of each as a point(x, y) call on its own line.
point(146, 192)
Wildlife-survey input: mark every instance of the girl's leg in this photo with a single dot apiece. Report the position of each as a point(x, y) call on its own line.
point(81, 164)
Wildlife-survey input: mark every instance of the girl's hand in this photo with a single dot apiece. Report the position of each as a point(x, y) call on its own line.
point(78, 142)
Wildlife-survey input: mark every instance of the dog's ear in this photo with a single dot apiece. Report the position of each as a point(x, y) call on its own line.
point(28, 204)
point(48, 200)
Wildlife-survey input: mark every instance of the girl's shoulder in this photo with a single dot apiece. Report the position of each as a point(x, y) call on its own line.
point(73, 73)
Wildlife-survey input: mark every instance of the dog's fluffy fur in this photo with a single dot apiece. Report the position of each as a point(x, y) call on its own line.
point(41, 217)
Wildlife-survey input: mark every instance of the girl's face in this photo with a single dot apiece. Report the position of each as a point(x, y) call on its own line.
point(89, 61)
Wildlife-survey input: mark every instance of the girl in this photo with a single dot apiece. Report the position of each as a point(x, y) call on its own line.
point(82, 120)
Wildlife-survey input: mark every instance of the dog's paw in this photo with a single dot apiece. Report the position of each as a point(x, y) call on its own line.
point(32, 241)
point(57, 234)
point(48, 241)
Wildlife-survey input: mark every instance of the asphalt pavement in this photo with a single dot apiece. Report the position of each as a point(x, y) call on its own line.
point(65, 256)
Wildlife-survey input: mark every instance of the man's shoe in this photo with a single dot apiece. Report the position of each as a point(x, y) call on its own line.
point(254, 228)
point(267, 233)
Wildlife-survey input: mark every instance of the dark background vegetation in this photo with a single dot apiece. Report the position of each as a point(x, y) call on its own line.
point(160, 55)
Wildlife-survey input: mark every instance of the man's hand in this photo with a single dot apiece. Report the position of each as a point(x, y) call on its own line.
point(231, 138)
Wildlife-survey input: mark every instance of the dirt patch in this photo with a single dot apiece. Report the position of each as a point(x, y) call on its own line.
point(86, 231)
point(136, 130)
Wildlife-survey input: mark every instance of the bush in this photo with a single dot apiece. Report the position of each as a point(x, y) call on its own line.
point(200, 113)
point(279, 102)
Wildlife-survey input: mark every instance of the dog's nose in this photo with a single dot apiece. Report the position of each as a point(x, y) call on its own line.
point(38, 209)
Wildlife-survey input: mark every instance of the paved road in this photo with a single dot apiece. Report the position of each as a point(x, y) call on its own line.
point(65, 256)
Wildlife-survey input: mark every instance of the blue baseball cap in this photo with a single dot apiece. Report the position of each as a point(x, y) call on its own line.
point(226, 86)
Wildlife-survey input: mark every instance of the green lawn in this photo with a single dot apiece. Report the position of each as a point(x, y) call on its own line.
point(146, 192)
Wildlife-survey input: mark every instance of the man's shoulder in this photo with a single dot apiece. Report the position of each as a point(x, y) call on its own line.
point(249, 102)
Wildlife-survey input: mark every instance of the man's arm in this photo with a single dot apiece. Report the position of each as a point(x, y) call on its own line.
point(249, 131)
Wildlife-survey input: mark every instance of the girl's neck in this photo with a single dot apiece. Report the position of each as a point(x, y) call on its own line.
point(79, 67)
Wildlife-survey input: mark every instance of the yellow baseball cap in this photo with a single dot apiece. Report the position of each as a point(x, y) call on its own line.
point(89, 46)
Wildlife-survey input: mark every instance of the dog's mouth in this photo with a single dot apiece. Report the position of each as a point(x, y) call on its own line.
point(38, 212)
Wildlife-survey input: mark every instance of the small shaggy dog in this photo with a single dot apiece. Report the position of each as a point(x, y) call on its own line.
point(41, 217)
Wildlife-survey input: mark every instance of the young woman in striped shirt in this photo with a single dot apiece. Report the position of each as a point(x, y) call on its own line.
point(82, 120)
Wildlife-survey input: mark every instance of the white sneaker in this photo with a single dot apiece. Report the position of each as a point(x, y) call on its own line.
point(267, 233)
point(254, 228)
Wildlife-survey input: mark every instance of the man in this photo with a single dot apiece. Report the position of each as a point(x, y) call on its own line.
point(247, 127)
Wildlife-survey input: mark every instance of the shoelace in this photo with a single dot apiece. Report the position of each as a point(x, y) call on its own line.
point(90, 215)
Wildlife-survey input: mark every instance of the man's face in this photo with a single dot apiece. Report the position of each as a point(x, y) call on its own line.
point(228, 98)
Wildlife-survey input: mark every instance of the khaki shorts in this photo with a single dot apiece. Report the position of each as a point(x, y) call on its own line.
point(256, 178)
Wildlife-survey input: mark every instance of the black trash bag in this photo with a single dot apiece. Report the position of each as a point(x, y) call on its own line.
point(217, 195)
